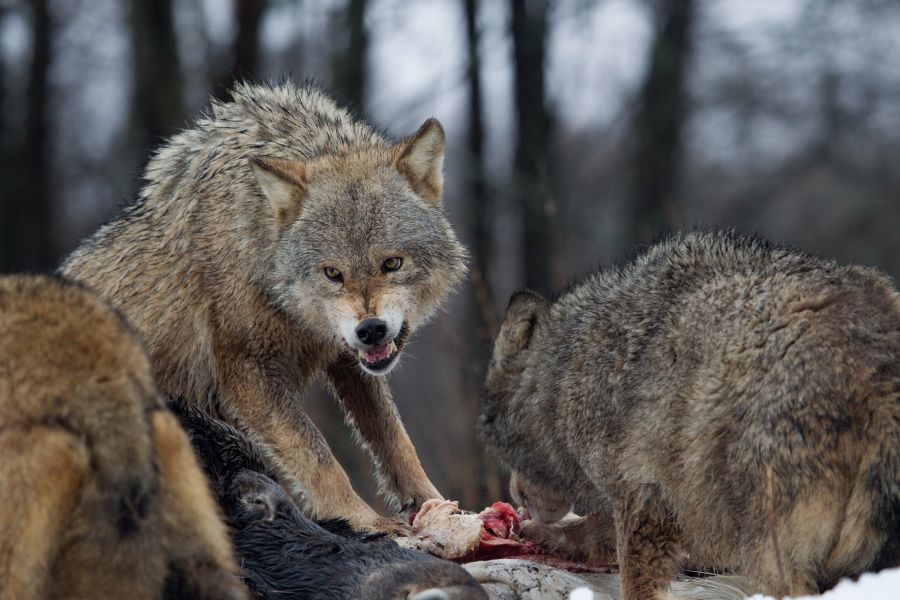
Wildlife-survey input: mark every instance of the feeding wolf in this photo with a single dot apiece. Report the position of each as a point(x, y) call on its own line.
point(732, 399)
point(276, 241)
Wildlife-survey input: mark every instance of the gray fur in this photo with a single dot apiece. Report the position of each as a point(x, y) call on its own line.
point(224, 280)
point(737, 400)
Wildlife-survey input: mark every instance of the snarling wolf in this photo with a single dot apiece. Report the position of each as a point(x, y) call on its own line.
point(733, 399)
point(278, 240)
point(101, 492)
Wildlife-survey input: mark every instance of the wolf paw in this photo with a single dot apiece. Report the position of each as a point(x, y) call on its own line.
point(571, 541)
point(391, 527)
point(371, 521)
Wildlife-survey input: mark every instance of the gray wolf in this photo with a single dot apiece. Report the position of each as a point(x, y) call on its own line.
point(102, 493)
point(276, 241)
point(284, 555)
point(730, 398)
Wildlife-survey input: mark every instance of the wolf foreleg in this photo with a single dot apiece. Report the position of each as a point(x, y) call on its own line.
point(648, 545)
point(368, 404)
point(274, 415)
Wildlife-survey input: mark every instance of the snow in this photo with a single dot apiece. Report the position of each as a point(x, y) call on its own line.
point(581, 593)
point(870, 586)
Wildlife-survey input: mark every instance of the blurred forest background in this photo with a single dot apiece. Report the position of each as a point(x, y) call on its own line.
point(577, 130)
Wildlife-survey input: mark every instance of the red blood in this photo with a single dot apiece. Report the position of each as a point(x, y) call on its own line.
point(500, 535)
point(500, 519)
point(500, 539)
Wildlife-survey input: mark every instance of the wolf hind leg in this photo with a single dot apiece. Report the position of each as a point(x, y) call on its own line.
point(42, 473)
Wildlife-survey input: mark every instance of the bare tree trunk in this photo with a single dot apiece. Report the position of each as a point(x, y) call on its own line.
point(158, 101)
point(349, 68)
point(659, 122)
point(478, 202)
point(7, 229)
point(482, 484)
point(245, 48)
point(31, 211)
point(531, 185)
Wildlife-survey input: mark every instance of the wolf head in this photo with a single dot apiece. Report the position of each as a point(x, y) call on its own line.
point(363, 248)
point(515, 419)
point(545, 504)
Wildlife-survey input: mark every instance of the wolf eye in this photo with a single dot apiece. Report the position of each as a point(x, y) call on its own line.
point(333, 274)
point(392, 264)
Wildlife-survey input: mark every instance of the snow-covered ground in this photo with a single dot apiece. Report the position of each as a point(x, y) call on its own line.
point(871, 586)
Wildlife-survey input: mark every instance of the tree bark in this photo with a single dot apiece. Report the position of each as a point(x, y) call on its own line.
point(31, 214)
point(477, 201)
point(244, 51)
point(6, 209)
point(659, 123)
point(482, 483)
point(158, 101)
point(248, 14)
point(349, 68)
point(531, 185)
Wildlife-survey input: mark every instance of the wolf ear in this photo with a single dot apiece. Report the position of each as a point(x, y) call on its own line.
point(284, 183)
point(525, 309)
point(420, 158)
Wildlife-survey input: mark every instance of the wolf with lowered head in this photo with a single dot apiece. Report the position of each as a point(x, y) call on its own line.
point(278, 240)
point(729, 398)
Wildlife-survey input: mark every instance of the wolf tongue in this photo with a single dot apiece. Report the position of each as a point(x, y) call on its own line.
point(377, 354)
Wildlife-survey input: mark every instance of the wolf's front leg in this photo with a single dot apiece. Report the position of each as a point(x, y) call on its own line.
point(276, 420)
point(368, 401)
point(648, 545)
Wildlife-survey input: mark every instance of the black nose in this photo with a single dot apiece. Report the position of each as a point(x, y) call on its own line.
point(371, 331)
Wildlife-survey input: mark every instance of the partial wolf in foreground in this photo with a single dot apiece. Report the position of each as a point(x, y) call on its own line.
point(276, 241)
point(101, 492)
point(732, 399)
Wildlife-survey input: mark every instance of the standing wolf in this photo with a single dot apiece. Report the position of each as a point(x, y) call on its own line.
point(732, 399)
point(276, 241)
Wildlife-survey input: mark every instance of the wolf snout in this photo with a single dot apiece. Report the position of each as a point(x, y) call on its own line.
point(371, 332)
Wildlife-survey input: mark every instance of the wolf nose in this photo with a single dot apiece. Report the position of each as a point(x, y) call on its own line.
point(371, 331)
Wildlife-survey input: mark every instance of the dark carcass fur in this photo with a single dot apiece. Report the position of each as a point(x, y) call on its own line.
point(286, 555)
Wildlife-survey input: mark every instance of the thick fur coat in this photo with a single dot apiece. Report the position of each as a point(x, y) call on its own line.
point(102, 494)
point(730, 398)
point(277, 240)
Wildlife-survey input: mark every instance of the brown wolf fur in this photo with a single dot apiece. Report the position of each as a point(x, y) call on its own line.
point(265, 238)
point(101, 489)
point(733, 399)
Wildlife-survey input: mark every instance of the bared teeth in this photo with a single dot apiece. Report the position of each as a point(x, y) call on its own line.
point(383, 353)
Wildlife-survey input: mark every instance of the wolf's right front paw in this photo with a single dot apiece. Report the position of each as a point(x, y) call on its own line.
point(392, 527)
point(369, 520)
